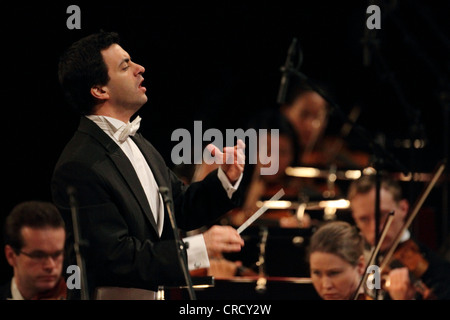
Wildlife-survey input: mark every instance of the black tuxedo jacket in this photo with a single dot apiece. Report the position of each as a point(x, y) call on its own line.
point(5, 291)
point(123, 245)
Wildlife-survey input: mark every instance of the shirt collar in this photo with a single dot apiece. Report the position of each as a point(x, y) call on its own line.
point(15, 293)
point(405, 236)
point(111, 126)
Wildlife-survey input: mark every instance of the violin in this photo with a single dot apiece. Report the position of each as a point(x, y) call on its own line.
point(407, 253)
point(364, 296)
point(59, 292)
point(334, 150)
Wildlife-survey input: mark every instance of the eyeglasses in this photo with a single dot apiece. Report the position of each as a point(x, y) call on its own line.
point(41, 256)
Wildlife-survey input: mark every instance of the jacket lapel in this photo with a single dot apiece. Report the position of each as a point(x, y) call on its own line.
point(157, 165)
point(122, 164)
point(126, 169)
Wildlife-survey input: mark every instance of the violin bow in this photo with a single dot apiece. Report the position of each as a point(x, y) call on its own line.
point(374, 253)
point(438, 172)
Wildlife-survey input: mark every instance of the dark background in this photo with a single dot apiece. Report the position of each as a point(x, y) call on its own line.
point(220, 64)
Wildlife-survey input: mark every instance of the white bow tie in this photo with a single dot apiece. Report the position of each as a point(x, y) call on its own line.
point(129, 129)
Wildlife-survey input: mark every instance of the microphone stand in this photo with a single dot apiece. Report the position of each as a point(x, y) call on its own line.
point(442, 92)
point(181, 246)
point(262, 281)
point(78, 242)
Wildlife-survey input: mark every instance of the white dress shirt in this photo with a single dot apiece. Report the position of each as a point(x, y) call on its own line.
point(197, 253)
point(15, 293)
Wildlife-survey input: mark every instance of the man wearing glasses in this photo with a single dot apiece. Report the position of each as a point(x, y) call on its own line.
point(34, 246)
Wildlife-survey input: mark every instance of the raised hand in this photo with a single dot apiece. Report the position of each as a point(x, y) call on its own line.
point(232, 159)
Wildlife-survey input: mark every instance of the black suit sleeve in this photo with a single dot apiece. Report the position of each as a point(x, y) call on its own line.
point(205, 200)
point(5, 291)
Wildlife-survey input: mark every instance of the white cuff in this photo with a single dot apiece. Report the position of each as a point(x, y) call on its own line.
point(229, 188)
point(196, 252)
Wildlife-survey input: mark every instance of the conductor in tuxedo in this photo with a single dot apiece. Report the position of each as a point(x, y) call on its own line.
point(116, 174)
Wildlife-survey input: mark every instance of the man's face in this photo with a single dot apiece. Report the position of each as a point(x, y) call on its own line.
point(38, 266)
point(363, 211)
point(125, 85)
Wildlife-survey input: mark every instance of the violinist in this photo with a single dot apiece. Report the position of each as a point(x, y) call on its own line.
point(336, 259)
point(413, 262)
point(310, 115)
point(34, 247)
point(320, 144)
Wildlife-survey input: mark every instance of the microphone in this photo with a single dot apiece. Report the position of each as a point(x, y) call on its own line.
point(366, 50)
point(78, 242)
point(286, 69)
point(369, 39)
point(165, 194)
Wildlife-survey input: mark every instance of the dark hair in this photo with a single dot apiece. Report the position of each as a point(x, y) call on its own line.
point(339, 238)
point(297, 88)
point(82, 66)
point(368, 182)
point(34, 214)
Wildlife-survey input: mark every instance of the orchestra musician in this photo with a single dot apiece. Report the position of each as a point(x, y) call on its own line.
point(336, 259)
point(34, 247)
point(416, 272)
point(309, 113)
